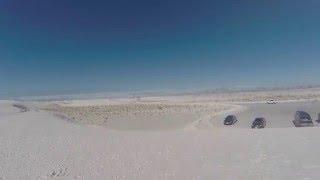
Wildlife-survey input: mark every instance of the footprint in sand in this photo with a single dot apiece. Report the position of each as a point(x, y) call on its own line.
point(60, 172)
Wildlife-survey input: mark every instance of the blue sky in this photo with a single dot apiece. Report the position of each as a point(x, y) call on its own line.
point(64, 46)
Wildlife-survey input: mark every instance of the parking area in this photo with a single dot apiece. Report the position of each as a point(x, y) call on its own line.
point(278, 115)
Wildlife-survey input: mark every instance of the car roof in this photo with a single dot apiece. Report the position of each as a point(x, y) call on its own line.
point(303, 114)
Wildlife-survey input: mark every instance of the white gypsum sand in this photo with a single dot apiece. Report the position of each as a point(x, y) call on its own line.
point(35, 144)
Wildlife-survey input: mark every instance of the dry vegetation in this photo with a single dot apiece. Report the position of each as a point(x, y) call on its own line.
point(152, 116)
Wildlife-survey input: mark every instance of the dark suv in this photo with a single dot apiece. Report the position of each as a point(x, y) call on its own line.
point(259, 123)
point(230, 120)
point(302, 119)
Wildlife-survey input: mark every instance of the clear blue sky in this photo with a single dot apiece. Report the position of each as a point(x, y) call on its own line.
point(64, 46)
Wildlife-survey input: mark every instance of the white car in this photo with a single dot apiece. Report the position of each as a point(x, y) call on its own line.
point(271, 101)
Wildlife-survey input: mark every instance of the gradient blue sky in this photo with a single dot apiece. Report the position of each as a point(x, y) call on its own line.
point(65, 46)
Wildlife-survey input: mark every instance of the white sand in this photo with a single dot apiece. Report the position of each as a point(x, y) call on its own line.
point(38, 145)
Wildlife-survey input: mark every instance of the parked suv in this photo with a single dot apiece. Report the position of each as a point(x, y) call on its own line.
point(302, 119)
point(230, 120)
point(259, 123)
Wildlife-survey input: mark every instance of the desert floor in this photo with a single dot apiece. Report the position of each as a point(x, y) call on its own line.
point(159, 138)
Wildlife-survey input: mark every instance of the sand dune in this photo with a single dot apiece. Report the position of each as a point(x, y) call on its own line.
point(139, 116)
point(168, 112)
